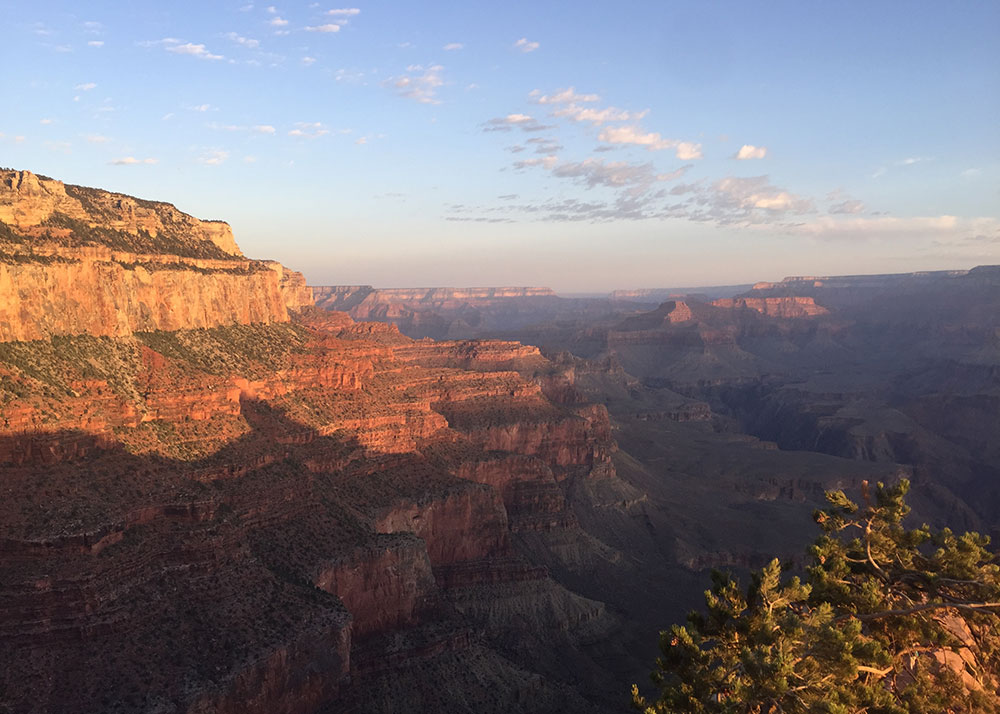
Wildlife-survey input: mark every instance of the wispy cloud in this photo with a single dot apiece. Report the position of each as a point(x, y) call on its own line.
point(263, 129)
point(308, 61)
point(85, 87)
point(562, 96)
point(309, 130)
point(524, 45)
point(95, 43)
point(749, 151)
point(178, 47)
point(847, 207)
point(213, 157)
point(685, 150)
point(452, 46)
point(247, 42)
point(277, 22)
point(331, 27)
point(598, 116)
point(131, 161)
point(344, 12)
point(524, 122)
point(419, 84)
point(96, 139)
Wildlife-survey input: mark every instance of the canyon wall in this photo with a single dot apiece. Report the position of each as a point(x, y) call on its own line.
point(84, 261)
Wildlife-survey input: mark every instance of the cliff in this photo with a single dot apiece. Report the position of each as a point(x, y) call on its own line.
point(77, 260)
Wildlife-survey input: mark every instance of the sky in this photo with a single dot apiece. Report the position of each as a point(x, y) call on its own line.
point(578, 145)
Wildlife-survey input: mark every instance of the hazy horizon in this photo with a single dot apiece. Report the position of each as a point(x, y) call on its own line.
point(578, 147)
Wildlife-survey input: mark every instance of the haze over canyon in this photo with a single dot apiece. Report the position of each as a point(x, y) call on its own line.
point(225, 490)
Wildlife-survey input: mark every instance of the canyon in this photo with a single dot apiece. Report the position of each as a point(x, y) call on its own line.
point(227, 491)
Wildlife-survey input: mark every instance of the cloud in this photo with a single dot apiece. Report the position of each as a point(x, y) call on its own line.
point(85, 87)
point(345, 11)
point(361, 140)
point(849, 206)
point(193, 50)
point(616, 174)
point(95, 43)
point(548, 162)
point(263, 129)
point(749, 151)
point(324, 28)
point(308, 61)
point(248, 42)
point(525, 46)
point(201, 108)
point(309, 130)
point(46, 121)
point(524, 122)
point(213, 157)
point(912, 160)
point(685, 150)
point(131, 161)
point(420, 84)
point(451, 46)
point(97, 139)
point(544, 145)
point(562, 96)
point(948, 230)
point(598, 116)
point(277, 21)
point(756, 193)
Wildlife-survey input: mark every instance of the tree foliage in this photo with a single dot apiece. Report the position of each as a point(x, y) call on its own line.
point(888, 621)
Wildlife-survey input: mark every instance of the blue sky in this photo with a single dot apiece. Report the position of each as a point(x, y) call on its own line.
point(584, 146)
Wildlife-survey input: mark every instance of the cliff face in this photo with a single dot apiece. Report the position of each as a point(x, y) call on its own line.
point(216, 500)
point(76, 260)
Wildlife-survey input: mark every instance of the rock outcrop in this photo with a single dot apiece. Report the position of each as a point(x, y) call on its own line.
point(77, 261)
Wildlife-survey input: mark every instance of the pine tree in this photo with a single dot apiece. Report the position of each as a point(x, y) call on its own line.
point(889, 621)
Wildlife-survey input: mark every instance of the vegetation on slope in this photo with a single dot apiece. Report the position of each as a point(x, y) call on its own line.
point(889, 621)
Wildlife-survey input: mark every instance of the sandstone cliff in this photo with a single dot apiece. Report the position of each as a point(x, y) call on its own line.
point(76, 260)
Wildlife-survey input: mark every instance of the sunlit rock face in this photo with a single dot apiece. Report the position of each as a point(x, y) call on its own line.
point(76, 260)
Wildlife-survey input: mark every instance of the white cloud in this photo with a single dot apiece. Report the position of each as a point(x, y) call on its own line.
point(345, 11)
point(190, 49)
point(524, 122)
point(323, 28)
point(685, 150)
point(748, 199)
point(617, 174)
point(308, 61)
point(451, 46)
point(85, 87)
point(912, 160)
point(950, 230)
point(971, 173)
point(97, 139)
point(263, 129)
point(200, 108)
point(309, 130)
point(421, 84)
point(213, 157)
point(248, 42)
point(95, 43)
point(361, 140)
point(562, 96)
point(46, 121)
point(246, 8)
point(849, 206)
point(598, 116)
point(277, 21)
point(131, 161)
point(749, 151)
point(525, 46)
point(272, 9)
point(547, 163)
